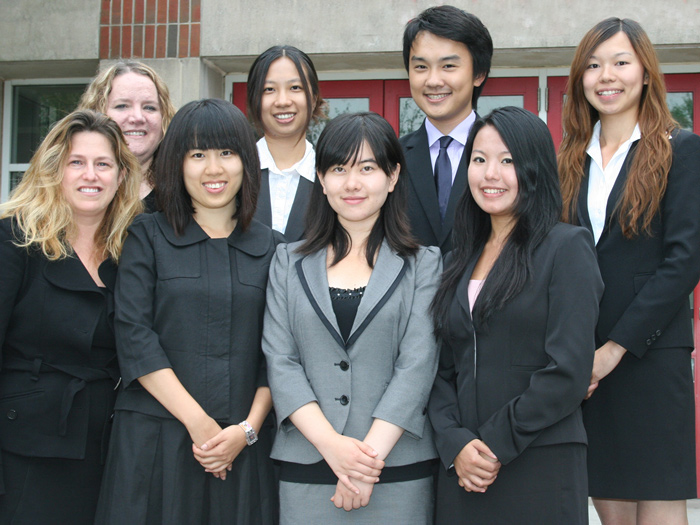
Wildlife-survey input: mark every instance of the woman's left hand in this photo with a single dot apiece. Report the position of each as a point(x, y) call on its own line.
point(607, 357)
point(217, 454)
point(346, 499)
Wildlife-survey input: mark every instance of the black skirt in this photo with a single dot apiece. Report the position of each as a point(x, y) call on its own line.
point(544, 485)
point(641, 429)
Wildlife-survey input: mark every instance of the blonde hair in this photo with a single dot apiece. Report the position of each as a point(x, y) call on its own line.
point(38, 205)
point(648, 174)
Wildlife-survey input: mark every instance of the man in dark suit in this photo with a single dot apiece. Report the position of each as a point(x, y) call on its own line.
point(447, 53)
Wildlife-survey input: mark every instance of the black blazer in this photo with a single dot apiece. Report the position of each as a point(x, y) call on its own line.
point(297, 215)
point(520, 381)
point(48, 314)
point(423, 209)
point(648, 278)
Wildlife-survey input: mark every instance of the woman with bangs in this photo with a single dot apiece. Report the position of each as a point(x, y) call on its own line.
point(188, 443)
point(630, 176)
point(347, 336)
point(61, 236)
point(283, 100)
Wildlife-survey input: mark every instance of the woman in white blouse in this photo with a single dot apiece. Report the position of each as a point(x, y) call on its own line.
point(283, 99)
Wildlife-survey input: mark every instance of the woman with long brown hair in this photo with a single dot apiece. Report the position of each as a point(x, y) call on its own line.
point(631, 176)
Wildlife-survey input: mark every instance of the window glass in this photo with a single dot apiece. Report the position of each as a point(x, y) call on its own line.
point(337, 106)
point(681, 106)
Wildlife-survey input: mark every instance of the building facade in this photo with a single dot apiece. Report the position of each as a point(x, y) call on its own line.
point(49, 51)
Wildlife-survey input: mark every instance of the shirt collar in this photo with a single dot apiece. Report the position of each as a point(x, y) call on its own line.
point(594, 145)
point(306, 167)
point(460, 133)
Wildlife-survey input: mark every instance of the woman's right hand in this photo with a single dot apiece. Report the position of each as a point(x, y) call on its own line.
point(476, 466)
point(349, 457)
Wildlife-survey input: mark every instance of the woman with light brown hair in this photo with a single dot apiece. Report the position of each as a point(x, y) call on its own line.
point(61, 235)
point(631, 177)
point(137, 99)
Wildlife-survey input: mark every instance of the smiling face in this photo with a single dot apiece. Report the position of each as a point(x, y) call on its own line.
point(357, 192)
point(213, 177)
point(283, 107)
point(90, 175)
point(491, 173)
point(614, 79)
point(133, 104)
point(441, 76)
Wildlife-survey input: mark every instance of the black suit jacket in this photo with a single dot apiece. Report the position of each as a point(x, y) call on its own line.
point(297, 215)
point(519, 381)
point(648, 278)
point(48, 314)
point(423, 209)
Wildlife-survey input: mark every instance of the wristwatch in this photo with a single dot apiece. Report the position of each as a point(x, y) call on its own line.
point(250, 436)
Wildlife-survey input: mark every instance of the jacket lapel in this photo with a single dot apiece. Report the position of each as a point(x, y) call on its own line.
point(387, 273)
point(314, 280)
point(584, 218)
point(420, 172)
point(263, 212)
point(462, 291)
point(617, 190)
point(70, 274)
point(458, 187)
point(296, 221)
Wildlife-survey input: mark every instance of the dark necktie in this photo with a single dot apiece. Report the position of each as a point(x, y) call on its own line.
point(443, 175)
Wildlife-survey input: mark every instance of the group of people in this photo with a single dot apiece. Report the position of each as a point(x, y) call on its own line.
point(425, 315)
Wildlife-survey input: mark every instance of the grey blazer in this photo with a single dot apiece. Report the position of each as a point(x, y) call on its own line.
point(385, 370)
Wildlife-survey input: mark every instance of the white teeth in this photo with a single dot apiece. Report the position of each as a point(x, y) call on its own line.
point(215, 185)
point(609, 92)
point(89, 190)
point(134, 133)
point(439, 96)
point(489, 190)
point(284, 116)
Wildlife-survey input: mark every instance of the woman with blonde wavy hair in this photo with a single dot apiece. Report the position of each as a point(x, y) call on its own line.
point(137, 99)
point(630, 176)
point(61, 235)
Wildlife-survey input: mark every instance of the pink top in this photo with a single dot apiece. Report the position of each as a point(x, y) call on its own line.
point(473, 291)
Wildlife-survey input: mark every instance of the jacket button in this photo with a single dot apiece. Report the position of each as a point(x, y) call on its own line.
point(344, 366)
point(648, 342)
point(658, 332)
point(344, 400)
point(12, 414)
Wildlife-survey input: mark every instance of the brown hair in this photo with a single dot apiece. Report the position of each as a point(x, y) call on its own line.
point(647, 176)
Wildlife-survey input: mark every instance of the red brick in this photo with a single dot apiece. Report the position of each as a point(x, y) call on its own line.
point(104, 42)
point(184, 11)
point(162, 11)
point(161, 36)
point(139, 11)
point(116, 12)
point(172, 10)
point(126, 42)
point(105, 13)
point(137, 51)
point(150, 41)
point(184, 41)
point(196, 11)
point(128, 13)
point(150, 11)
point(194, 40)
point(115, 44)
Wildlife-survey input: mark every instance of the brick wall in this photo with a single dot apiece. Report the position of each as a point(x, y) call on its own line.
point(149, 28)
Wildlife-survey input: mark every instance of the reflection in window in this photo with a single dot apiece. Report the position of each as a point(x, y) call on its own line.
point(336, 106)
point(681, 106)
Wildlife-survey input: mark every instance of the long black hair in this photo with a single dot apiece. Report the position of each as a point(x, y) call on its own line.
point(537, 210)
point(340, 143)
point(205, 124)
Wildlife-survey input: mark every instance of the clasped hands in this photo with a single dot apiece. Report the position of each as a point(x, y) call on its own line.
point(357, 467)
point(219, 446)
point(476, 466)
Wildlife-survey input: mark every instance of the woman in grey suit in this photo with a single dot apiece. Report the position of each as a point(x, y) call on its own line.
point(516, 310)
point(348, 341)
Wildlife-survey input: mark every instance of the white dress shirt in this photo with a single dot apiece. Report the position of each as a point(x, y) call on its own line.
point(456, 148)
point(601, 181)
point(284, 183)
